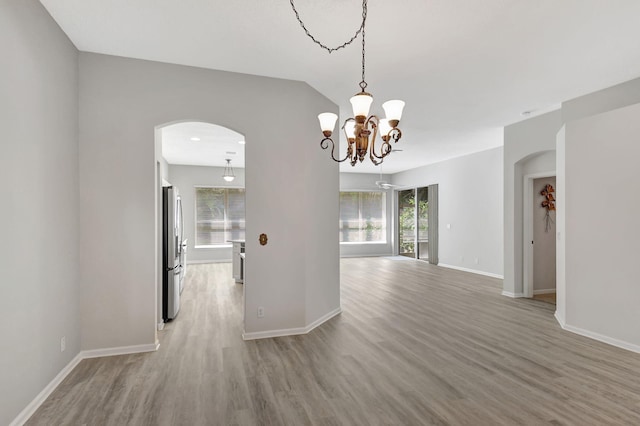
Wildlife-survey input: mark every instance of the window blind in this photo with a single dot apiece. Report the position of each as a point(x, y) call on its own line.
point(219, 215)
point(363, 216)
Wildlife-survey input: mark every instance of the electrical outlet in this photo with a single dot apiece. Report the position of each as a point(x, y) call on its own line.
point(63, 344)
point(260, 312)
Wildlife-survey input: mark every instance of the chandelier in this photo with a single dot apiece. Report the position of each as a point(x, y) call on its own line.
point(362, 129)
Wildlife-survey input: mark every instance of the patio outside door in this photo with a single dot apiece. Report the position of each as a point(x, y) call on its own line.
point(413, 223)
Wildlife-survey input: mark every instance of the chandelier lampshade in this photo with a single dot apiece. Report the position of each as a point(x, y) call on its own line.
point(327, 122)
point(384, 127)
point(393, 110)
point(350, 129)
point(361, 104)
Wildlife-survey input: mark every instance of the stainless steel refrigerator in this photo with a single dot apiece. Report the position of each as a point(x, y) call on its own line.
point(172, 233)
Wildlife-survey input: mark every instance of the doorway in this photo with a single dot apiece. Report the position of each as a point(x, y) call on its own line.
point(540, 224)
point(204, 164)
point(417, 223)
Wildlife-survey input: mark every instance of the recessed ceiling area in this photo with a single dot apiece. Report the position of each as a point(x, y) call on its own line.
point(202, 144)
point(465, 68)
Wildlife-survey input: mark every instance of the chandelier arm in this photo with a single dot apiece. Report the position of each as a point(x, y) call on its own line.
point(343, 45)
point(324, 144)
point(395, 134)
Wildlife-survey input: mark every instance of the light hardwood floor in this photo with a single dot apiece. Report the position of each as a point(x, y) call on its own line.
point(415, 345)
point(546, 297)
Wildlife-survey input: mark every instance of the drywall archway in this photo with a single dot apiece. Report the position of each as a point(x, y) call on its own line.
point(541, 161)
point(523, 141)
point(295, 277)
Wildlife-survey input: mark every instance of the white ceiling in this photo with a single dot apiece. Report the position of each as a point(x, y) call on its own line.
point(202, 144)
point(465, 68)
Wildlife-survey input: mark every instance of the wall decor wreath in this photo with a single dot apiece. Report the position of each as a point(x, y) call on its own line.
point(548, 203)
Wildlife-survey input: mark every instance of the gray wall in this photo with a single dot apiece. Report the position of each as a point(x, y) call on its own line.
point(186, 178)
point(470, 201)
point(39, 172)
point(122, 101)
point(544, 247)
point(367, 182)
point(597, 140)
point(602, 227)
point(618, 96)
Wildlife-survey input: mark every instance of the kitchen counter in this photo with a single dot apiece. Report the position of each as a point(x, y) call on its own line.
point(237, 260)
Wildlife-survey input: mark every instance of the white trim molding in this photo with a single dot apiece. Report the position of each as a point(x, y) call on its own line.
point(42, 396)
point(473, 271)
point(600, 337)
point(512, 295)
point(122, 350)
point(544, 291)
point(345, 256)
point(291, 331)
point(199, 262)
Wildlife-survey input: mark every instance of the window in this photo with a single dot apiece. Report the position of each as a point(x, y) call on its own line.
point(219, 216)
point(363, 217)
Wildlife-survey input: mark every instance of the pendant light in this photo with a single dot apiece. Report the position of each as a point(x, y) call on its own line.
point(228, 172)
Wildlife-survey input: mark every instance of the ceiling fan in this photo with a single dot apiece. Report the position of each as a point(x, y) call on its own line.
point(383, 184)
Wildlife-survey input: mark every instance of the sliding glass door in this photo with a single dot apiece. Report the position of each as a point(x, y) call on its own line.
point(415, 217)
point(422, 220)
point(407, 223)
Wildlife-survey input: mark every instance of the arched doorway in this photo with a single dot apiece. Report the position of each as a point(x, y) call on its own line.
point(202, 165)
point(536, 165)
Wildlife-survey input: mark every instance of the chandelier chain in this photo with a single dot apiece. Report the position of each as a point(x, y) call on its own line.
point(363, 83)
point(343, 45)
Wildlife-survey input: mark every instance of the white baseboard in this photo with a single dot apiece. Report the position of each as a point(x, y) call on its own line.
point(545, 291)
point(560, 319)
point(122, 350)
point(42, 396)
point(348, 256)
point(512, 295)
point(291, 331)
point(600, 337)
point(326, 317)
point(95, 353)
point(473, 271)
point(199, 262)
